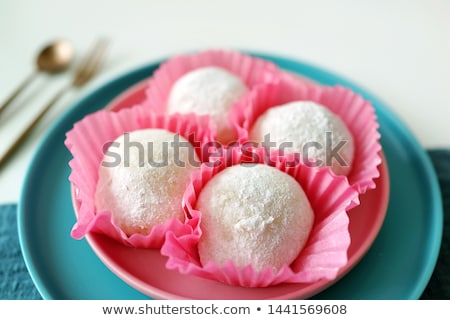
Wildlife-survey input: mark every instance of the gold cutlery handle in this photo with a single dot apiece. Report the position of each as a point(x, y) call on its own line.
point(18, 90)
point(32, 124)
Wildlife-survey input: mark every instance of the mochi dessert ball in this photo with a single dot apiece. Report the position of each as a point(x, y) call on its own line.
point(142, 180)
point(208, 91)
point(310, 129)
point(253, 214)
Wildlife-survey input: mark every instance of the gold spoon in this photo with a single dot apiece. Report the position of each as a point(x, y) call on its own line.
point(85, 71)
point(53, 58)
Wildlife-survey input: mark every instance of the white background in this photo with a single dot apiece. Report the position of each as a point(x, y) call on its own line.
point(398, 50)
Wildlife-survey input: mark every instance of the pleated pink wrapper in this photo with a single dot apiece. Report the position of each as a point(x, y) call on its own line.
point(321, 258)
point(252, 71)
point(87, 140)
point(356, 113)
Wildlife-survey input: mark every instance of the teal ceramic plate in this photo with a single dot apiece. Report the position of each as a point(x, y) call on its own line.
point(397, 266)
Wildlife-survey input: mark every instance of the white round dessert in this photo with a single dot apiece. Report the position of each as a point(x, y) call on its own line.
point(310, 129)
point(142, 179)
point(253, 215)
point(208, 91)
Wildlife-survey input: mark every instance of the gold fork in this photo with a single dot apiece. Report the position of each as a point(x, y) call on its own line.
point(84, 72)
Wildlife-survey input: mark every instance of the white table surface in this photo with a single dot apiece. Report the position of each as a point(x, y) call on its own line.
point(398, 50)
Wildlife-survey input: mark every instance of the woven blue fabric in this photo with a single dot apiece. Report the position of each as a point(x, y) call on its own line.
point(439, 285)
point(15, 282)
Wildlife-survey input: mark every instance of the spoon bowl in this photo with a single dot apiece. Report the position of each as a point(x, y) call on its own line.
point(55, 57)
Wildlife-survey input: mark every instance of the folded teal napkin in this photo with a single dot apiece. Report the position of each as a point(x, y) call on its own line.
point(16, 283)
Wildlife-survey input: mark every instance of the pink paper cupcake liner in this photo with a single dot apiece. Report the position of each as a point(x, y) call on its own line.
point(86, 142)
point(357, 113)
point(324, 253)
point(251, 70)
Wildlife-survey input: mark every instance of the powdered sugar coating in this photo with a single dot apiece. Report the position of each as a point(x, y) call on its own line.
point(148, 189)
point(207, 90)
point(253, 214)
point(305, 125)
